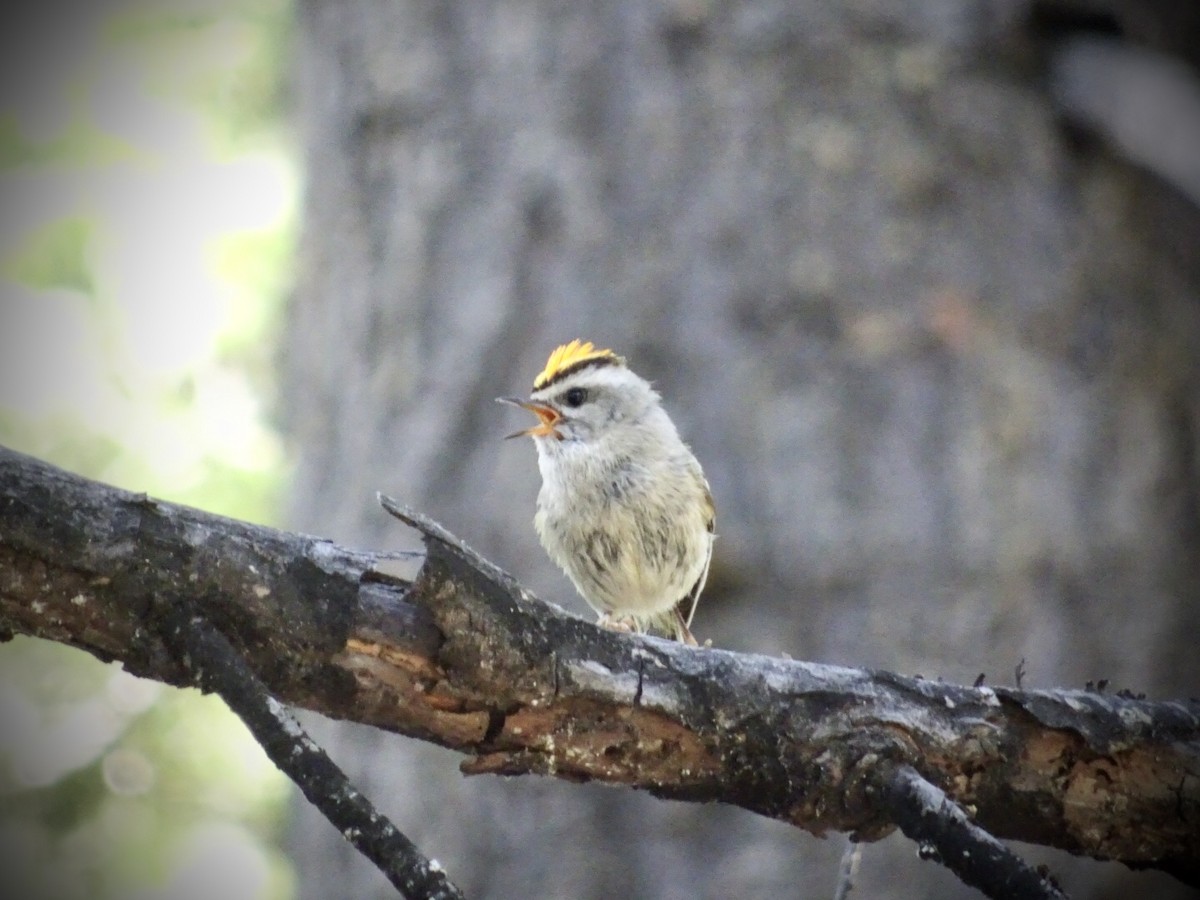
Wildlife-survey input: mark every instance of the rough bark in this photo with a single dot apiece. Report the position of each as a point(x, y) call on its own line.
point(214, 665)
point(445, 647)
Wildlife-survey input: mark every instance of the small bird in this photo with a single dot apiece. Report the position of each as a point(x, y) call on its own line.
point(624, 509)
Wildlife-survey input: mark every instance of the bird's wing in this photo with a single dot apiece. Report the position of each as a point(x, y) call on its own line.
point(687, 606)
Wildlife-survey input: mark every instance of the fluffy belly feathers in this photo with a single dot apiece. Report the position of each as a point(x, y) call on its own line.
point(639, 556)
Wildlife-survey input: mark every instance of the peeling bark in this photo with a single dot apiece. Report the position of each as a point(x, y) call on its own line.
point(215, 666)
point(445, 647)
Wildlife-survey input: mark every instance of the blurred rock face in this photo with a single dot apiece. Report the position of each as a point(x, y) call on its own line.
point(937, 360)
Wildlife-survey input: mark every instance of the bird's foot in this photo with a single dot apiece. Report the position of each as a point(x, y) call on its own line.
point(613, 624)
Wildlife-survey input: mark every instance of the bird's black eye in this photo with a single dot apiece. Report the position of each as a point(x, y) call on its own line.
point(575, 396)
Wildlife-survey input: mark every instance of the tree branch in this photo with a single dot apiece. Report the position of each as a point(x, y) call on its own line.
point(218, 668)
point(944, 832)
point(444, 647)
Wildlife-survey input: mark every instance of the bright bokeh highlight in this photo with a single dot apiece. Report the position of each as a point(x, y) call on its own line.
point(149, 200)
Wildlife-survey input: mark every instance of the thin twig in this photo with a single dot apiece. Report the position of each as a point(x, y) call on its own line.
point(944, 832)
point(219, 668)
point(848, 870)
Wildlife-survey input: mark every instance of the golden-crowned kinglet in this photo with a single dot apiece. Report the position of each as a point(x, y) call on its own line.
point(624, 508)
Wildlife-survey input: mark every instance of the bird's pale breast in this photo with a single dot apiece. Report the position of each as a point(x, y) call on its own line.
point(632, 537)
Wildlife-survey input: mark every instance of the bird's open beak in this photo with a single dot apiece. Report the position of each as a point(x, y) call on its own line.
point(548, 417)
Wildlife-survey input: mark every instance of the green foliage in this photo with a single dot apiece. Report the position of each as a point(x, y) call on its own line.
point(235, 56)
point(56, 257)
point(77, 145)
point(144, 261)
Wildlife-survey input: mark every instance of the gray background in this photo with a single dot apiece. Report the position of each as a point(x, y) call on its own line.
point(928, 320)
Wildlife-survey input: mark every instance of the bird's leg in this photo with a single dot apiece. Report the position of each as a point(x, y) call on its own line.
point(683, 634)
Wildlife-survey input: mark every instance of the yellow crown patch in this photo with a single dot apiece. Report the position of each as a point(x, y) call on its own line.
point(571, 357)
